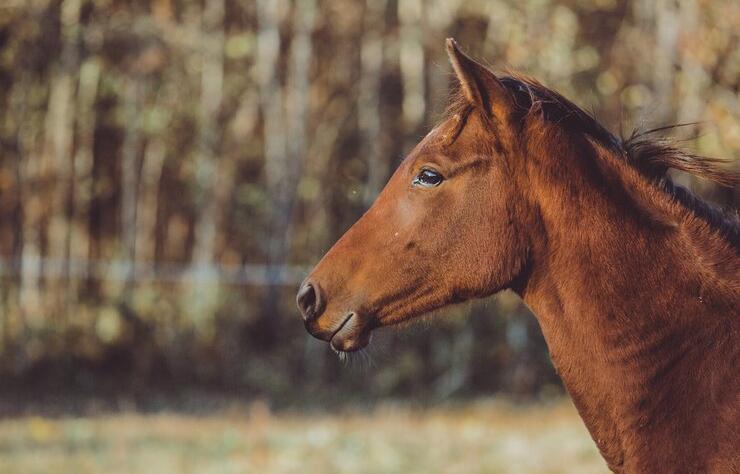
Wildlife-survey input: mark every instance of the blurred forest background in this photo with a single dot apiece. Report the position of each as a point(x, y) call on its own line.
point(171, 169)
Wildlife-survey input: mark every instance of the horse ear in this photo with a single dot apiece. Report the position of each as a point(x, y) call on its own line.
point(480, 86)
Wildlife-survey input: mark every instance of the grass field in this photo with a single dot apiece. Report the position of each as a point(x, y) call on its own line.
point(486, 436)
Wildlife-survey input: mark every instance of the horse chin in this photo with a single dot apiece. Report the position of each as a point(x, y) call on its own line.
point(351, 336)
point(350, 345)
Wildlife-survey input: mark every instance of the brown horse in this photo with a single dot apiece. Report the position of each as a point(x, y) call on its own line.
point(634, 281)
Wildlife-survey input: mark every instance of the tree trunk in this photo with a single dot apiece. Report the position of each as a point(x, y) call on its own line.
point(275, 151)
point(129, 181)
point(79, 247)
point(208, 165)
point(369, 97)
point(59, 158)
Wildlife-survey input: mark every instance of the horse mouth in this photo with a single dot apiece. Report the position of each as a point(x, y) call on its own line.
point(351, 335)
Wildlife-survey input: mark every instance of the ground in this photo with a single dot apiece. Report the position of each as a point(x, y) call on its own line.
point(483, 436)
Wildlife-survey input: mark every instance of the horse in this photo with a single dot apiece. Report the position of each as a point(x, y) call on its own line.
point(634, 281)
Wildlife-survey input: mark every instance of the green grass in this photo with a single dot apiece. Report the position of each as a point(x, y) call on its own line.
point(479, 437)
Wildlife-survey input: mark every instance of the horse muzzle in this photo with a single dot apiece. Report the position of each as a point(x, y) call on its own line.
point(347, 332)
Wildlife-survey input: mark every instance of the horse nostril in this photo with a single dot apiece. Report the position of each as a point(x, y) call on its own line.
point(309, 302)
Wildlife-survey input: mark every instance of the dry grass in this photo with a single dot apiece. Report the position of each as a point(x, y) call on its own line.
point(480, 437)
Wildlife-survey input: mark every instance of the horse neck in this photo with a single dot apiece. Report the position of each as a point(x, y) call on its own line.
point(623, 307)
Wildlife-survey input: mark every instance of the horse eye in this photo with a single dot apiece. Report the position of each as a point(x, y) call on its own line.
point(428, 178)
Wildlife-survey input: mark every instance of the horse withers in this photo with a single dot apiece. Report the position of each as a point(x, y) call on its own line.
point(635, 282)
